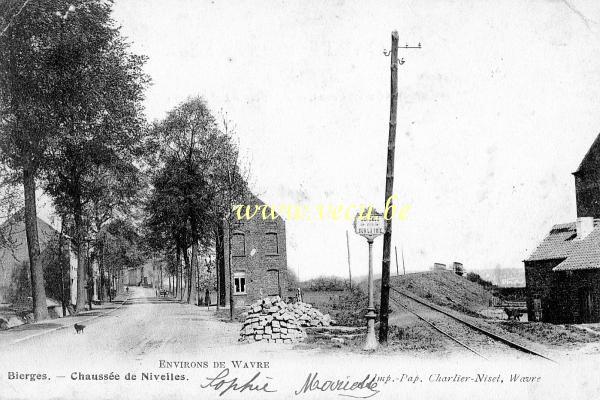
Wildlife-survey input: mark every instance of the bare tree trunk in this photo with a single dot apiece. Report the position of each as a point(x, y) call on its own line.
point(180, 270)
point(90, 275)
point(81, 270)
point(217, 271)
point(161, 277)
point(194, 269)
point(101, 269)
point(109, 276)
point(231, 284)
point(61, 265)
point(186, 259)
point(121, 279)
point(197, 284)
point(220, 265)
point(38, 292)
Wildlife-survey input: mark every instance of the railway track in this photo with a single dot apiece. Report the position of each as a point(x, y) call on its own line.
point(463, 333)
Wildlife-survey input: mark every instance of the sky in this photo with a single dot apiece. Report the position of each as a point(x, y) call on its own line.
point(495, 112)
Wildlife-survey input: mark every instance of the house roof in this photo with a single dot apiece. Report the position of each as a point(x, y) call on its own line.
point(14, 242)
point(556, 245)
point(591, 160)
point(252, 200)
point(562, 243)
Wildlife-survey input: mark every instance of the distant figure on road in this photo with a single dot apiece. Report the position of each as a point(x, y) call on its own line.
point(127, 289)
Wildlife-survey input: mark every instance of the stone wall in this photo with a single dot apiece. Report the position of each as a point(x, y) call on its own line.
point(571, 287)
point(587, 193)
point(540, 281)
point(561, 292)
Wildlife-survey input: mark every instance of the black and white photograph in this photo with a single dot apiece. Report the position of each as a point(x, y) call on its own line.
point(210, 199)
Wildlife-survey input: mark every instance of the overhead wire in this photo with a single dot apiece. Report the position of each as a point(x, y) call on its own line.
point(13, 17)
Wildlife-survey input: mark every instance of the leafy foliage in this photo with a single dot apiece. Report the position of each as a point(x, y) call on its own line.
point(195, 181)
point(324, 283)
point(121, 244)
point(473, 277)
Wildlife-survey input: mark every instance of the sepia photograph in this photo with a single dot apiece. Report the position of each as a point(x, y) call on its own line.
point(299, 199)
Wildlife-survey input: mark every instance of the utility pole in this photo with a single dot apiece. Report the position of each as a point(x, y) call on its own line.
point(349, 268)
point(396, 251)
point(389, 189)
point(389, 186)
point(403, 266)
point(218, 272)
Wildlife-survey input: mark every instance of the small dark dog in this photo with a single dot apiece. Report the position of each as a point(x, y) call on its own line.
point(79, 328)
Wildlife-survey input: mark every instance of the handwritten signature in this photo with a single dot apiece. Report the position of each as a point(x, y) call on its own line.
point(220, 383)
point(359, 389)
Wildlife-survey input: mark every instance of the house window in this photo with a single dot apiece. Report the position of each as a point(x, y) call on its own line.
point(271, 244)
point(236, 225)
point(238, 245)
point(271, 225)
point(239, 283)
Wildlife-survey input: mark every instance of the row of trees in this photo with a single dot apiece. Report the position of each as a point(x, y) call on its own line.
point(71, 121)
point(72, 126)
point(196, 179)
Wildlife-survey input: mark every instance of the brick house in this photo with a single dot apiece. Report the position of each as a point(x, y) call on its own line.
point(563, 273)
point(258, 258)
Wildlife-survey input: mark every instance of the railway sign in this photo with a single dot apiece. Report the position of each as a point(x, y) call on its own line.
point(369, 226)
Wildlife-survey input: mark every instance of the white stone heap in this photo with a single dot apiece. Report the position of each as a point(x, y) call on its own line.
point(272, 320)
point(309, 316)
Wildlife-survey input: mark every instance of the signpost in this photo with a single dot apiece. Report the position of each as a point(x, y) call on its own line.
point(370, 226)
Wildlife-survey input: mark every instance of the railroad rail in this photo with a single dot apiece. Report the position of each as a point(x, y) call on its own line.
point(470, 325)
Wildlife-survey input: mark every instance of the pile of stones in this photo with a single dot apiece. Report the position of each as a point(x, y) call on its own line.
point(308, 316)
point(271, 320)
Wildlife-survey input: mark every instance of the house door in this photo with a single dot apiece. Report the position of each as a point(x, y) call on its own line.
point(585, 305)
point(537, 309)
point(272, 284)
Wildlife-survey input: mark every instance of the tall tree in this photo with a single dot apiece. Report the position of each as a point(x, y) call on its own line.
point(192, 183)
point(96, 103)
point(189, 135)
point(167, 224)
point(117, 196)
point(26, 121)
point(231, 189)
point(122, 247)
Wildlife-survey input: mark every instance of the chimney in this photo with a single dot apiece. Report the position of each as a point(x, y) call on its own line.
point(585, 225)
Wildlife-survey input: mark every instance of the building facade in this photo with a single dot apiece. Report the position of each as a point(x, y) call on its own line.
point(258, 266)
point(14, 263)
point(587, 183)
point(562, 274)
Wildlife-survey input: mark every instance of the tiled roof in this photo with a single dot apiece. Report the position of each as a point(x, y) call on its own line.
point(591, 158)
point(558, 243)
point(585, 253)
point(562, 242)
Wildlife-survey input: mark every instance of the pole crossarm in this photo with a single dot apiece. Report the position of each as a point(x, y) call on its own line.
point(400, 61)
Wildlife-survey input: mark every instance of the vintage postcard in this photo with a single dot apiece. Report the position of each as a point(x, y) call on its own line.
point(341, 199)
